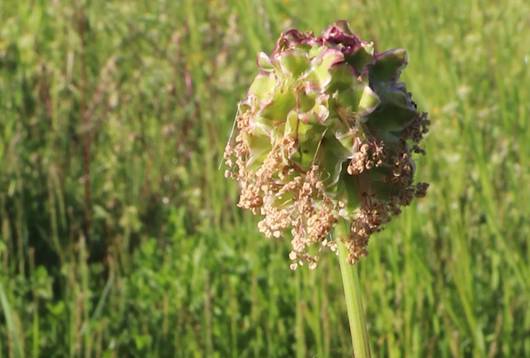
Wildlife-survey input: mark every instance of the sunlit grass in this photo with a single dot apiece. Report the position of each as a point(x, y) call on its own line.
point(156, 260)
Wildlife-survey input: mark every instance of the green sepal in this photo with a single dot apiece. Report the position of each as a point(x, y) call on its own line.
point(346, 139)
point(330, 156)
point(320, 72)
point(388, 65)
point(280, 105)
point(305, 101)
point(291, 124)
point(395, 112)
point(348, 192)
point(319, 114)
point(259, 143)
point(368, 102)
point(348, 98)
point(362, 57)
point(264, 62)
point(293, 62)
point(263, 86)
point(309, 137)
point(342, 77)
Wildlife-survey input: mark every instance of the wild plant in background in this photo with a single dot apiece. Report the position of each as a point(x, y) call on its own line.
point(326, 134)
point(324, 143)
point(170, 265)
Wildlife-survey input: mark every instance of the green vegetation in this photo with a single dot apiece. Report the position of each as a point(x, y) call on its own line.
point(119, 233)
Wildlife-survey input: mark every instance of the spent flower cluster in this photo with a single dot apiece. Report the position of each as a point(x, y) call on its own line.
point(326, 134)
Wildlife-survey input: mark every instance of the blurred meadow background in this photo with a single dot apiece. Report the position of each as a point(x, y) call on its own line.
point(119, 235)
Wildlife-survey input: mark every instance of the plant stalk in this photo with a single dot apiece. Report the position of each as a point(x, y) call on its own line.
point(352, 294)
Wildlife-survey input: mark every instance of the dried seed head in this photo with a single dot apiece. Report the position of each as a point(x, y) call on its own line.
point(326, 133)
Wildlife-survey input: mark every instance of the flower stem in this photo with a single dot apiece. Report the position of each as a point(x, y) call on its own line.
point(352, 293)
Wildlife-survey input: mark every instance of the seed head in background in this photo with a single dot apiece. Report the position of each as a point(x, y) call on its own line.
point(326, 134)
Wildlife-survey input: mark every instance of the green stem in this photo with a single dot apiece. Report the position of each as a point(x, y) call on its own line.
point(352, 293)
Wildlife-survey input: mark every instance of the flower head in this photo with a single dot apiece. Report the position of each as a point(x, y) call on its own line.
point(325, 133)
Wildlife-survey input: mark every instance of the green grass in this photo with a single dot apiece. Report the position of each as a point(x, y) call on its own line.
point(119, 235)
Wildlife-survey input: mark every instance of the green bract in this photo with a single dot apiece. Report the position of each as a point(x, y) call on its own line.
point(325, 133)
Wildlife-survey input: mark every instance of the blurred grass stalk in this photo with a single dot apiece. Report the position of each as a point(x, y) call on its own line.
point(15, 343)
point(450, 278)
point(353, 296)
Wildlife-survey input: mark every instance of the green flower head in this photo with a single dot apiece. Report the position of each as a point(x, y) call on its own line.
point(325, 133)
